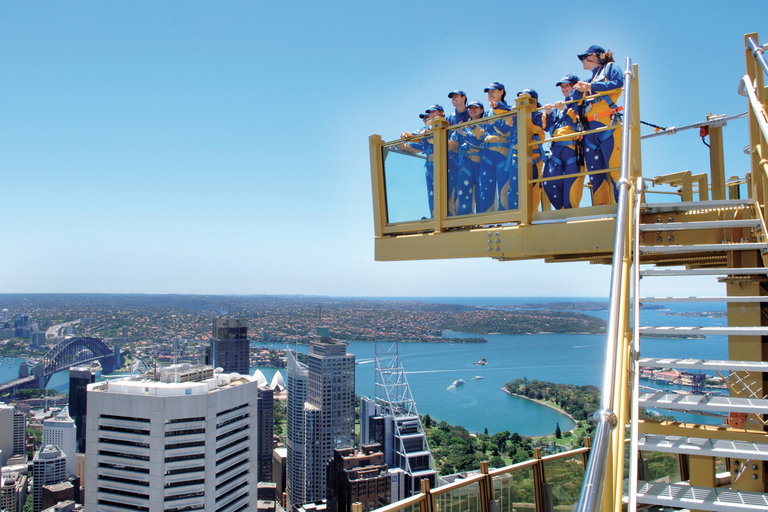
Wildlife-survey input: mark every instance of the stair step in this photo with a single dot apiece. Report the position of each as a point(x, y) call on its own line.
point(700, 498)
point(711, 403)
point(703, 364)
point(707, 331)
point(708, 224)
point(695, 205)
point(704, 299)
point(680, 249)
point(701, 446)
point(704, 271)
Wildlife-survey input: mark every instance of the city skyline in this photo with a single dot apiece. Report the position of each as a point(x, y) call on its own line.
point(134, 132)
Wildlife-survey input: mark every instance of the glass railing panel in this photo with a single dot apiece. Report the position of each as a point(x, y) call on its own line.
point(565, 477)
point(462, 499)
point(662, 467)
point(407, 168)
point(514, 491)
point(482, 168)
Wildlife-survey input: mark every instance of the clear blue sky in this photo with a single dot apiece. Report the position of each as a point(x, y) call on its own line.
point(221, 147)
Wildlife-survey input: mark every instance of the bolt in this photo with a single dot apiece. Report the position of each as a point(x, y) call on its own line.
point(498, 241)
point(497, 249)
point(489, 249)
point(670, 219)
point(658, 239)
point(670, 239)
point(497, 233)
point(754, 467)
point(489, 242)
point(754, 477)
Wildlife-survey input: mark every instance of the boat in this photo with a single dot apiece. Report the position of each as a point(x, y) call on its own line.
point(482, 361)
point(458, 382)
point(478, 377)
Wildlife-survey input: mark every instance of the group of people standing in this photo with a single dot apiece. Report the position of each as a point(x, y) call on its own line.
point(482, 160)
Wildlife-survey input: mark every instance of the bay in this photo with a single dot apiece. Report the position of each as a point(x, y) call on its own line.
point(578, 359)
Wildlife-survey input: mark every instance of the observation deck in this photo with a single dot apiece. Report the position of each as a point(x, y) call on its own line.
point(711, 226)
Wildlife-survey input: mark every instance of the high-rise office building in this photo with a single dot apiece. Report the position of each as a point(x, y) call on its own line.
point(48, 467)
point(79, 378)
point(229, 345)
point(59, 431)
point(358, 476)
point(324, 421)
point(7, 430)
point(19, 432)
point(8, 494)
point(266, 426)
point(181, 439)
point(391, 419)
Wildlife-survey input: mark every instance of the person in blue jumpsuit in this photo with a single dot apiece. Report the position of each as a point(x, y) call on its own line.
point(471, 143)
point(425, 146)
point(539, 121)
point(495, 176)
point(563, 119)
point(602, 150)
point(460, 114)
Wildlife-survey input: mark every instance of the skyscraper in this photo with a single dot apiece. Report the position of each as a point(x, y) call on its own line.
point(391, 419)
point(229, 345)
point(7, 414)
point(324, 421)
point(79, 378)
point(19, 433)
point(48, 467)
point(266, 426)
point(182, 439)
point(59, 431)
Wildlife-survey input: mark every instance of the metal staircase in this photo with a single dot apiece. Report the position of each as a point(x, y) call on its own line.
point(726, 240)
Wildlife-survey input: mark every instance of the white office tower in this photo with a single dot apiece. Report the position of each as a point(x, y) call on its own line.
point(5, 316)
point(325, 421)
point(6, 432)
point(48, 467)
point(182, 439)
point(295, 472)
point(391, 419)
point(60, 431)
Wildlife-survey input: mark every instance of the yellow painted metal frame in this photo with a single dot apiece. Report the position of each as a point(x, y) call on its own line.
point(526, 233)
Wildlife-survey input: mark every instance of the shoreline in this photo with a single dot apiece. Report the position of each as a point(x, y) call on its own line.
point(545, 404)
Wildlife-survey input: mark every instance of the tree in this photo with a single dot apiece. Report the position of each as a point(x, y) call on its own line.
point(427, 421)
point(558, 434)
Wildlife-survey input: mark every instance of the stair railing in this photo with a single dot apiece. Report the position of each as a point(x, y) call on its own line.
point(606, 459)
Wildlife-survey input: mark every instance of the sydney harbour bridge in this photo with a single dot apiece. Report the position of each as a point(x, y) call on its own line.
point(70, 352)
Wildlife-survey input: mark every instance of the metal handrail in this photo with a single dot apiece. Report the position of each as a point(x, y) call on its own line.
point(758, 53)
point(592, 489)
point(757, 107)
point(715, 121)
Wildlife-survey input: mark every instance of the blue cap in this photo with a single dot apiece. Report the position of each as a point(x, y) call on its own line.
point(432, 108)
point(592, 49)
point(456, 93)
point(567, 79)
point(476, 104)
point(494, 86)
point(423, 116)
point(530, 92)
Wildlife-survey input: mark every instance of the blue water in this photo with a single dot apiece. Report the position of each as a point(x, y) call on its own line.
point(563, 358)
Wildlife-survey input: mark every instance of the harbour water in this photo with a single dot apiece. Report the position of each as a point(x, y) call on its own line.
point(562, 358)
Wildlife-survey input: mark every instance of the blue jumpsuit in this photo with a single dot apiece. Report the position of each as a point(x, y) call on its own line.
point(563, 161)
point(471, 144)
point(603, 150)
point(454, 163)
point(498, 172)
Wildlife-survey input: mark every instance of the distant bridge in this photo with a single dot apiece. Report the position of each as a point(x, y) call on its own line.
point(70, 352)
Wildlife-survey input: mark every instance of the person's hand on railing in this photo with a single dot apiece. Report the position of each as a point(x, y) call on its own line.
point(548, 107)
point(582, 86)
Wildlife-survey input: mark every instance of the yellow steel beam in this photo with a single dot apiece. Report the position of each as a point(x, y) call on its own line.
point(510, 242)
